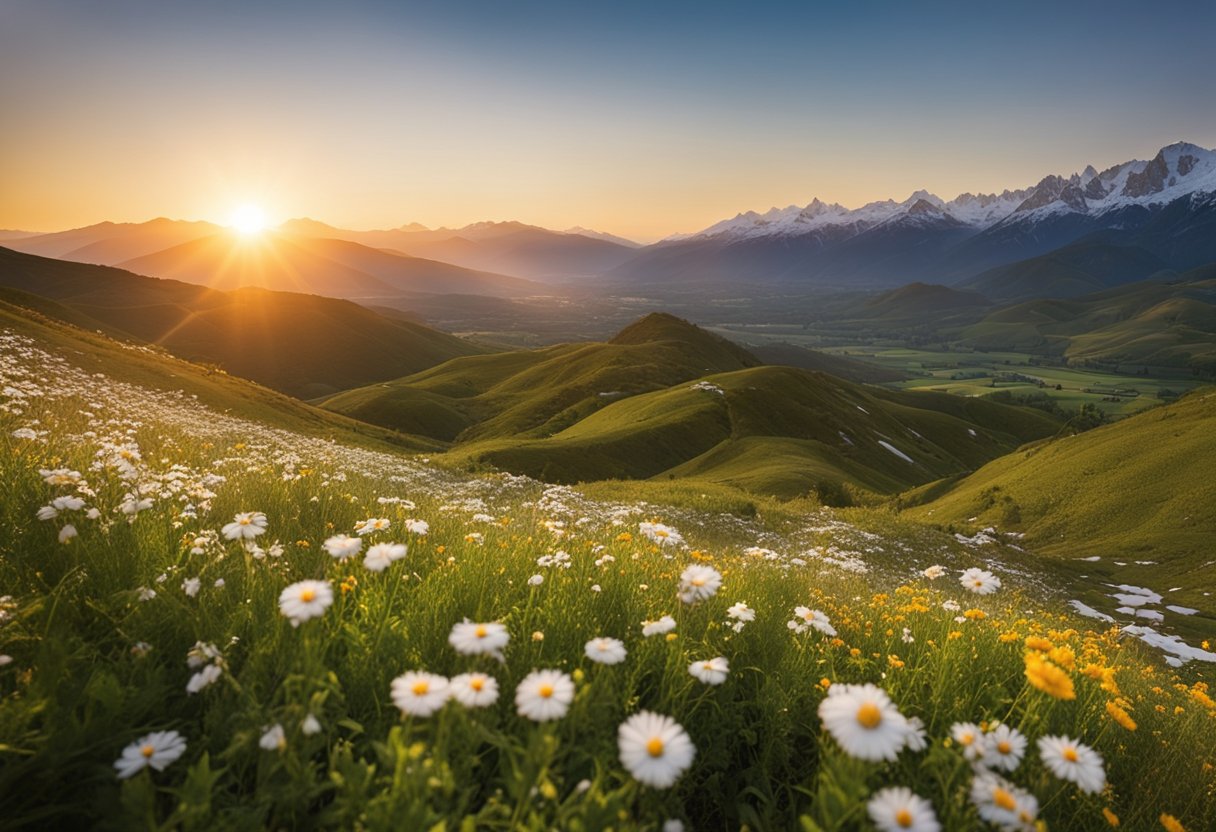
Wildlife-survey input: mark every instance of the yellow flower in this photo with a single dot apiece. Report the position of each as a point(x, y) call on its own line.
point(1171, 823)
point(1110, 816)
point(1038, 643)
point(975, 615)
point(1120, 716)
point(1063, 656)
point(895, 661)
point(953, 634)
point(1049, 678)
point(825, 683)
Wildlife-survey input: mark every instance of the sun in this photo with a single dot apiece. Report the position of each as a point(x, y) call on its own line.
point(248, 219)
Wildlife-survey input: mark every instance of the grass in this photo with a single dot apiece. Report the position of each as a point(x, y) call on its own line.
point(305, 345)
point(1135, 490)
point(97, 662)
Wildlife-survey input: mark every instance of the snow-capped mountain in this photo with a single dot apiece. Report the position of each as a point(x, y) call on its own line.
point(878, 243)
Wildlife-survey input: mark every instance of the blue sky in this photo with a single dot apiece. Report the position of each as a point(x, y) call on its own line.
point(643, 119)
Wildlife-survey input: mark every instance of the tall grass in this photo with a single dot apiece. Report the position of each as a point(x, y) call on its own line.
point(97, 661)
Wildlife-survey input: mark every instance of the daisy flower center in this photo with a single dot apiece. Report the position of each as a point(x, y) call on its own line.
point(147, 750)
point(420, 688)
point(481, 631)
point(967, 739)
point(698, 582)
point(1004, 800)
point(307, 595)
point(707, 665)
point(868, 715)
point(477, 683)
point(244, 521)
point(904, 818)
point(545, 691)
point(655, 747)
point(1004, 747)
point(1070, 754)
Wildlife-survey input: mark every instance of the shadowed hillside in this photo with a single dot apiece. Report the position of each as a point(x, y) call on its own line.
point(301, 344)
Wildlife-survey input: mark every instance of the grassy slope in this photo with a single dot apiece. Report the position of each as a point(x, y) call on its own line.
point(302, 344)
point(1150, 324)
point(774, 430)
point(224, 393)
point(76, 693)
point(539, 393)
point(1138, 489)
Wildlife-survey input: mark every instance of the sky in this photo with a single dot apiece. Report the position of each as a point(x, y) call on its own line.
point(641, 119)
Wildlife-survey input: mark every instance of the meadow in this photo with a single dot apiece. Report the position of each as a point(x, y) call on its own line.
point(213, 621)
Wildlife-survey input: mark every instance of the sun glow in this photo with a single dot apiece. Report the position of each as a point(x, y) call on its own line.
point(248, 219)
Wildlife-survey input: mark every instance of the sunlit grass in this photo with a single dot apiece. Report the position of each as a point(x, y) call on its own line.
point(94, 667)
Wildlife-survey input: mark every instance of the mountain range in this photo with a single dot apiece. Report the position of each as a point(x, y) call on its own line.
point(1128, 222)
point(1165, 206)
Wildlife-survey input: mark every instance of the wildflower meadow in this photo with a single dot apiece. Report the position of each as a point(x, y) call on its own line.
point(213, 623)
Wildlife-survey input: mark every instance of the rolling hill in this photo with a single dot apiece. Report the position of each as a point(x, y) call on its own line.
point(336, 268)
point(1077, 269)
point(512, 248)
point(535, 393)
point(667, 399)
point(1169, 325)
point(1137, 490)
point(154, 369)
point(774, 430)
point(304, 345)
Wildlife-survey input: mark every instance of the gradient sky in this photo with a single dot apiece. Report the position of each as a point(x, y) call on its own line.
point(642, 119)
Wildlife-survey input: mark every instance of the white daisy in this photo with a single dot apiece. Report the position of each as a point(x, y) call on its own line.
point(1073, 761)
point(1001, 803)
point(155, 750)
point(274, 739)
point(605, 650)
point(1004, 747)
point(209, 675)
point(934, 572)
point(742, 614)
point(655, 749)
point(699, 582)
point(310, 726)
point(419, 694)
point(864, 721)
point(380, 556)
point(980, 581)
point(971, 738)
point(657, 628)
point(899, 810)
point(711, 671)
point(660, 534)
point(418, 527)
point(544, 695)
point(245, 526)
point(304, 600)
point(372, 524)
point(342, 546)
point(474, 690)
point(191, 586)
point(805, 618)
point(474, 639)
point(917, 739)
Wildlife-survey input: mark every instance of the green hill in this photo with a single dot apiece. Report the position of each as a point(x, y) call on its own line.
point(775, 430)
point(533, 394)
point(1148, 324)
point(1077, 269)
point(304, 345)
point(1140, 489)
point(146, 366)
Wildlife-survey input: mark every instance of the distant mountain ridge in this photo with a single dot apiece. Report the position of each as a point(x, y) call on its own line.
point(1168, 203)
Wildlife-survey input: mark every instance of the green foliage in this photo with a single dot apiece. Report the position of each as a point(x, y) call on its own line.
point(97, 662)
